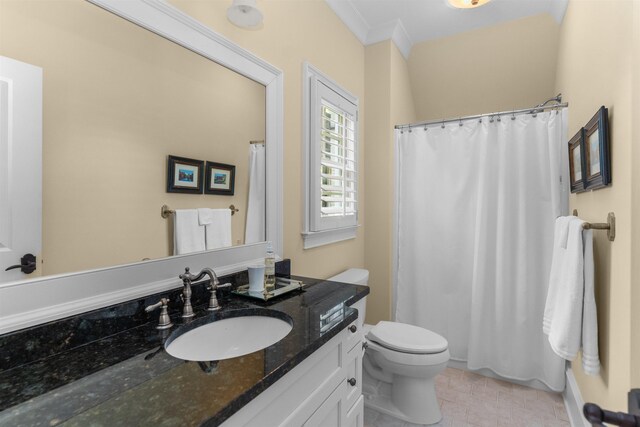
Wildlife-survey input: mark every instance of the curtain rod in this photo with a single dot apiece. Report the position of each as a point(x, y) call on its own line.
point(534, 110)
point(257, 142)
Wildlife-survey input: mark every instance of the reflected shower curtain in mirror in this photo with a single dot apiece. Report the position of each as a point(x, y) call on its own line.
point(476, 206)
point(256, 199)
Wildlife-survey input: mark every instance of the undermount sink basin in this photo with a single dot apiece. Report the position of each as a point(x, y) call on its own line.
point(243, 332)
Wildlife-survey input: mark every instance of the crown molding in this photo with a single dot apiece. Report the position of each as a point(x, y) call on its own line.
point(351, 18)
point(558, 10)
point(393, 30)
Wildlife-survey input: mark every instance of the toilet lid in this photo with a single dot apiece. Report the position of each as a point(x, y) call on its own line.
point(407, 338)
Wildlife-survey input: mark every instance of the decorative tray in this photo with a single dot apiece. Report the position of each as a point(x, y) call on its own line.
point(283, 286)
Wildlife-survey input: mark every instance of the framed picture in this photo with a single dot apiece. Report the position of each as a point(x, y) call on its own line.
point(184, 175)
point(576, 162)
point(596, 140)
point(220, 179)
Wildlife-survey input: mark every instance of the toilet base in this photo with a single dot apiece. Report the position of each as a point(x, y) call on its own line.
point(384, 405)
point(377, 396)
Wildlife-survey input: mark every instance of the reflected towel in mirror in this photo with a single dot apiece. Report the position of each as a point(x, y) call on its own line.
point(188, 234)
point(218, 232)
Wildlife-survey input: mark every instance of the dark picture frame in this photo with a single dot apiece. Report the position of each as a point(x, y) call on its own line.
point(220, 179)
point(577, 162)
point(184, 175)
point(596, 150)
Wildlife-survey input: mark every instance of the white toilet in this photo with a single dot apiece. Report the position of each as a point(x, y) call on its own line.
point(400, 363)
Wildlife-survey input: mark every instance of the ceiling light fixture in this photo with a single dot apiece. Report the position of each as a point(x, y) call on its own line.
point(467, 4)
point(245, 13)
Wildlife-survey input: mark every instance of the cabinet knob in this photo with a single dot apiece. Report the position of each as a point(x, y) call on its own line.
point(352, 381)
point(353, 328)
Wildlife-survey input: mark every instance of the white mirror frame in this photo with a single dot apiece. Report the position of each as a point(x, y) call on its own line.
point(30, 302)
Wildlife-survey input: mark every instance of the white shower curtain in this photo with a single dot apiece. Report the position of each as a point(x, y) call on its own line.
point(475, 218)
point(256, 200)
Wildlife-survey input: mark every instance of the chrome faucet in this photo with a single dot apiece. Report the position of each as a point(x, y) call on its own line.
point(188, 278)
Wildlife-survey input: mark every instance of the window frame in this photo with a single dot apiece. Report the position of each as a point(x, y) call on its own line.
point(317, 230)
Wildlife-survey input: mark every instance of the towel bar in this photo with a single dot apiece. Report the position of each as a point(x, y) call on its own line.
point(165, 211)
point(610, 225)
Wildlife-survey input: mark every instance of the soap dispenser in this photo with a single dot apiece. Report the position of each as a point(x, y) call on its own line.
point(269, 269)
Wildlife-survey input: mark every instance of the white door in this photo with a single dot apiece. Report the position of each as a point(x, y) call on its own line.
point(20, 165)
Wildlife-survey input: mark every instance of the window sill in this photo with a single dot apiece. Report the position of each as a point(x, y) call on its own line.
point(313, 239)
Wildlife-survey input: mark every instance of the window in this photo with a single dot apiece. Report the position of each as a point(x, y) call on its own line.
point(331, 158)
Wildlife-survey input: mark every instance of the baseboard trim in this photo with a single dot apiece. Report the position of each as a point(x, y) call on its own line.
point(573, 401)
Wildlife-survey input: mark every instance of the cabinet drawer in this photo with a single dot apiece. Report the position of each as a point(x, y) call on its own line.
point(331, 412)
point(353, 365)
point(355, 415)
point(354, 335)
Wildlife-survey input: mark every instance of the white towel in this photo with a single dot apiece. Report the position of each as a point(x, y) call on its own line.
point(570, 314)
point(188, 234)
point(590, 355)
point(205, 216)
point(560, 236)
point(218, 232)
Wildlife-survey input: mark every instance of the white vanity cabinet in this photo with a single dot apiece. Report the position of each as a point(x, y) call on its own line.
point(324, 390)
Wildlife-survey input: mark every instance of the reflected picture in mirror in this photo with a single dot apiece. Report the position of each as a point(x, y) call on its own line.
point(220, 179)
point(117, 101)
point(184, 175)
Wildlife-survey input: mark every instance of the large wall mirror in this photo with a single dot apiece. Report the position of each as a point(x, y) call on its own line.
point(117, 100)
point(118, 97)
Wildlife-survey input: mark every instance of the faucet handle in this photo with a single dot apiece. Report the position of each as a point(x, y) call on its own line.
point(165, 321)
point(216, 285)
point(186, 275)
point(213, 300)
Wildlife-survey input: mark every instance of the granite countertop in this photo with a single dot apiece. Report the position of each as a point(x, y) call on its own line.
point(109, 368)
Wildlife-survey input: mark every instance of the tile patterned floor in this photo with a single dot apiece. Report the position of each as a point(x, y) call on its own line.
point(468, 399)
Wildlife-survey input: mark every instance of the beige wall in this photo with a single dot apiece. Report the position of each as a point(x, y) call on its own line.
point(118, 100)
point(389, 101)
point(594, 69)
point(506, 66)
point(295, 31)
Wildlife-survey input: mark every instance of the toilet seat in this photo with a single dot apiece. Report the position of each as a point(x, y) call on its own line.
point(407, 338)
point(388, 338)
point(409, 359)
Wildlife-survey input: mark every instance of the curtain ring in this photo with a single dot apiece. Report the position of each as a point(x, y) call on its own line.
point(513, 115)
point(410, 130)
point(460, 123)
point(401, 131)
point(499, 119)
point(442, 124)
point(490, 119)
point(425, 128)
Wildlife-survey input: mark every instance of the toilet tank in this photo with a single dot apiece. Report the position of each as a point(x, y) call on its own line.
point(355, 276)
